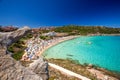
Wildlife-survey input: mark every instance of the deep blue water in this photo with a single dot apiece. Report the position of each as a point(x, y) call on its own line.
point(102, 51)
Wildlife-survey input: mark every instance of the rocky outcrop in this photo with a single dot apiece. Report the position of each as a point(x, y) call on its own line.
point(11, 69)
point(40, 67)
point(9, 37)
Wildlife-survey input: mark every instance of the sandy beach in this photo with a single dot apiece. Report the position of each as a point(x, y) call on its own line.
point(57, 42)
point(36, 47)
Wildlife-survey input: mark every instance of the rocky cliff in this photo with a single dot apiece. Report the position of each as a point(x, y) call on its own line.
point(11, 69)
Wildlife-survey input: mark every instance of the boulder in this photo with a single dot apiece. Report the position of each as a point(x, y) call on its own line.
point(40, 67)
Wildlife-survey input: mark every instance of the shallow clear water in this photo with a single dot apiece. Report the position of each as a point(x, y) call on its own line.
point(103, 51)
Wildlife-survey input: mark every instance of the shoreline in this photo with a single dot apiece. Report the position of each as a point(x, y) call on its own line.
point(72, 37)
point(45, 46)
point(57, 42)
point(103, 35)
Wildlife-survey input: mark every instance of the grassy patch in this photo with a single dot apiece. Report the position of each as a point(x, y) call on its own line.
point(17, 49)
point(57, 75)
point(73, 66)
point(18, 55)
point(46, 37)
point(76, 67)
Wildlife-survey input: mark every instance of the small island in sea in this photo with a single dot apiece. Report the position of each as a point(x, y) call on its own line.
point(68, 52)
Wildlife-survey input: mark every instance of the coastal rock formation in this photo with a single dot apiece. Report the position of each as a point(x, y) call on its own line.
point(40, 67)
point(8, 38)
point(11, 69)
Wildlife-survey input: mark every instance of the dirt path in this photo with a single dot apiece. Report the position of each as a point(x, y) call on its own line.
point(68, 72)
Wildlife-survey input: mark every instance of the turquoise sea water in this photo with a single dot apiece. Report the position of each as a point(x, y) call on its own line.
point(103, 51)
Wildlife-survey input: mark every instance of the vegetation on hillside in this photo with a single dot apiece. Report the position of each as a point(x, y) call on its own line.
point(67, 64)
point(18, 47)
point(84, 30)
point(78, 68)
point(46, 37)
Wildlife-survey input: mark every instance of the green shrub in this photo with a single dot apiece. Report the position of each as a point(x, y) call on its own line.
point(18, 55)
point(11, 49)
point(43, 37)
